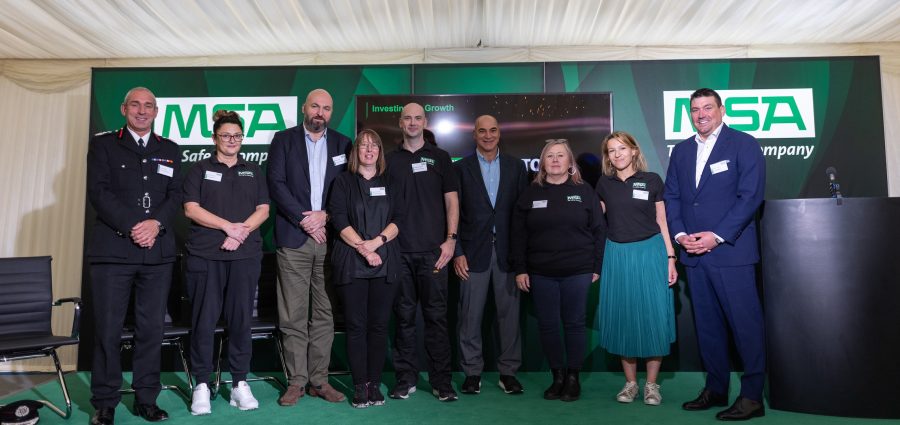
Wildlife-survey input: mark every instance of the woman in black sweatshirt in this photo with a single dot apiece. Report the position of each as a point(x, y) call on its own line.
point(557, 243)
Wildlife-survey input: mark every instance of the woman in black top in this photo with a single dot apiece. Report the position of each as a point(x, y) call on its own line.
point(557, 249)
point(637, 313)
point(365, 260)
point(227, 200)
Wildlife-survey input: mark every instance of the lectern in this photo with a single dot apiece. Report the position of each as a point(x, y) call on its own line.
point(831, 283)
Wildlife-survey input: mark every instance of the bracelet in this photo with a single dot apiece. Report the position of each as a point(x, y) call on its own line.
point(672, 257)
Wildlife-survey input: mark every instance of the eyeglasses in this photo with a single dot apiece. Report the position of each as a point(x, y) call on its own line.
point(369, 146)
point(226, 137)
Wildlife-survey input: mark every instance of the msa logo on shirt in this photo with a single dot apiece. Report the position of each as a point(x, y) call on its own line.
point(639, 185)
point(188, 120)
point(245, 173)
point(426, 160)
point(764, 114)
point(573, 198)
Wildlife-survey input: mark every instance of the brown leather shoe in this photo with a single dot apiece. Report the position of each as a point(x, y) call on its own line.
point(327, 392)
point(292, 395)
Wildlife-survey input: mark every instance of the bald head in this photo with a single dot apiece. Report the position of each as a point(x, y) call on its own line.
point(487, 136)
point(317, 111)
point(412, 123)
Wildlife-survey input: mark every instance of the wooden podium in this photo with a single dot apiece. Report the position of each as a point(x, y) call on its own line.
point(831, 283)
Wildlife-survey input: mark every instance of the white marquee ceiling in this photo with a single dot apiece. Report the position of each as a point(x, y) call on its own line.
point(86, 29)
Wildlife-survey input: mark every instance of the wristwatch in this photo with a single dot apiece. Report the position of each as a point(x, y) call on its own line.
point(451, 236)
point(383, 238)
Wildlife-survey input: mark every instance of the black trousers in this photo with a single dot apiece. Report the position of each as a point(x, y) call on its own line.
point(420, 284)
point(215, 287)
point(111, 286)
point(367, 312)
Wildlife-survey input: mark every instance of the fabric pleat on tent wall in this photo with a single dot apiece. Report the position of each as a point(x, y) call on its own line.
point(44, 113)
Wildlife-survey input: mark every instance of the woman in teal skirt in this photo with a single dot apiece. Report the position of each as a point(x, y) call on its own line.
point(637, 313)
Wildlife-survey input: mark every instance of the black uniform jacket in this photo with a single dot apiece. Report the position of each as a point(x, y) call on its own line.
point(127, 184)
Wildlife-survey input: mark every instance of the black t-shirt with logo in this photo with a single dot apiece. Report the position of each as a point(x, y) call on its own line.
point(631, 205)
point(425, 175)
point(231, 193)
point(558, 230)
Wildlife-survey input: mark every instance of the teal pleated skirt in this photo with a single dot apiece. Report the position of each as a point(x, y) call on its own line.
point(637, 311)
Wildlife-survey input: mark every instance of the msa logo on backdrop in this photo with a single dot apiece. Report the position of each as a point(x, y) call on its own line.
point(763, 113)
point(188, 122)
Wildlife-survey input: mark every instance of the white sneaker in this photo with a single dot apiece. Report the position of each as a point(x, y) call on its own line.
point(651, 394)
point(628, 393)
point(200, 400)
point(242, 398)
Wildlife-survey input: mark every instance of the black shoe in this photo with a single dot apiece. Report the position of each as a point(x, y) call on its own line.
point(571, 389)
point(150, 412)
point(403, 390)
point(741, 410)
point(552, 393)
point(360, 396)
point(472, 385)
point(705, 400)
point(510, 384)
point(376, 398)
point(104, 416)
point(445, 393)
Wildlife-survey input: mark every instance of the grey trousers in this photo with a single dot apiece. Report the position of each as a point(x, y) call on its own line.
point(472, 298)
point(307, 335)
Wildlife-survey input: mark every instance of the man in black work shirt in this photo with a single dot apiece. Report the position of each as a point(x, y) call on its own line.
point(427, 242)
point(133, 184)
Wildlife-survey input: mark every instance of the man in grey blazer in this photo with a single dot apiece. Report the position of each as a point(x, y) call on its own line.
point(490, 183)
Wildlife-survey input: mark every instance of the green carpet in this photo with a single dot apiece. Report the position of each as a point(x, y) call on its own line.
point(492, 406)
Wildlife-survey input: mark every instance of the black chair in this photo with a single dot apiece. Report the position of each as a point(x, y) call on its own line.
point(176, 329)
point(25, 311)
point(264, 326)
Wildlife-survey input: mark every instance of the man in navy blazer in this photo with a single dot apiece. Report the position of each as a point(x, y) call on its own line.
point(303, 161)
point(714, 186)
point(489, 184)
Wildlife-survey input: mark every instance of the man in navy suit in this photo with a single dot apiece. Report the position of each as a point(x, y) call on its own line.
point(303, 161)
point(714, 186)
point(489, 184)
point(134, 184)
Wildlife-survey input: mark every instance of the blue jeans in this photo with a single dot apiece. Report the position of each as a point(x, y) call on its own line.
point(562, 299)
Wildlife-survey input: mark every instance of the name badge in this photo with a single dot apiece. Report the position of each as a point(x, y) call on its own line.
point(539, 204)
point(719, 167)
point(640, 194)
point(419, 167)
point(165, 170)
point(214, 176)
point(377, 191)
point(339, 160)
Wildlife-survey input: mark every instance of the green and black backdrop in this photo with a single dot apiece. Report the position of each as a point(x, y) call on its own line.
point(807, 113)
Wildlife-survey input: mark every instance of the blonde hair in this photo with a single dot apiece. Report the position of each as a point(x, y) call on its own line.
point(638, 162)
point(353, 162)
point(574, 173)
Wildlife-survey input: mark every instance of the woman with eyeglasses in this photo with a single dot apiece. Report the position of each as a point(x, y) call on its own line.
point(362, 208)
point(558, 232)
point(227, 200)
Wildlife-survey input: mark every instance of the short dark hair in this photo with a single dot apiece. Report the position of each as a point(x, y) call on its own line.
point(705, 92)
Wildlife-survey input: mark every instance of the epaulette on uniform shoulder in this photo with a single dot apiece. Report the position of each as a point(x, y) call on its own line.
point(104, 132)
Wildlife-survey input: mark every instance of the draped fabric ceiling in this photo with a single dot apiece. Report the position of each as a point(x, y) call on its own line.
point(48, 47)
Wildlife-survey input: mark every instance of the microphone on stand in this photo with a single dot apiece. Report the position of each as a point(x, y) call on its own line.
point(833, 186)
